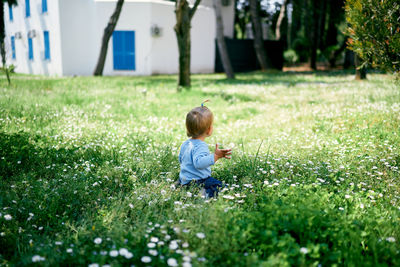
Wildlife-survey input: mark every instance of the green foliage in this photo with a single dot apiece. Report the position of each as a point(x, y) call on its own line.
point(374, 29)
point(291, 56)
point(88, 165)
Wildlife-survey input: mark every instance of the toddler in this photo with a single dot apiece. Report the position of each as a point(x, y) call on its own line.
point(195, 157)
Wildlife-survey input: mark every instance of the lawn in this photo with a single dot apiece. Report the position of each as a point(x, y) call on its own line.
point(87, 167)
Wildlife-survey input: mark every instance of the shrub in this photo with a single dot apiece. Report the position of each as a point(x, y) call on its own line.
point(374, 30)
point(291, 56)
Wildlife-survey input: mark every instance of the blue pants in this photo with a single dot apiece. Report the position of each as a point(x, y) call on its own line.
point(211, 185)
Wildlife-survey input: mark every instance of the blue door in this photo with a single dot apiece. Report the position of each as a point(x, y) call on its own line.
point(30, 50)
point(124, 50)
point(46, 45)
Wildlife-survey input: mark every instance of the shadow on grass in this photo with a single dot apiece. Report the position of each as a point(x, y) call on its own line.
point(275, 77)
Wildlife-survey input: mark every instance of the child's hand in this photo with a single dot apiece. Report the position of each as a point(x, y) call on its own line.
point(222, 153)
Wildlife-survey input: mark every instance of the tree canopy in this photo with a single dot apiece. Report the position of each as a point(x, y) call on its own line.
point(374, 30)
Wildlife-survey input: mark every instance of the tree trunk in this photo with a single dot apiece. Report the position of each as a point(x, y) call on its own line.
point(289, 29)
point(108, 31)
point(280, 19)
point(2, 43)
point(258, 34)
point(226, 62)
point(314, 34)
point(336, 53)
point(348, 59)
point(184, 56)
point(361, 72)
point(184, 15)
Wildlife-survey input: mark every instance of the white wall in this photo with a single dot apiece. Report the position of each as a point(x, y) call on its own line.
point(228, 15)
point(76, 29)
point(203, 41)
point(135, 16)
point(78, 45)
point(165, 48)
point(39, 22)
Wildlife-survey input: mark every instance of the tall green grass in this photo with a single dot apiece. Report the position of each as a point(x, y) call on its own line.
point(88, 165)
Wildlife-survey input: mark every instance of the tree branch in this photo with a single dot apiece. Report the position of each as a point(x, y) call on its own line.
point(193, 9)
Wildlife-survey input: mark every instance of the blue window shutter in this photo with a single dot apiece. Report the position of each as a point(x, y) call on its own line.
point(44, 6)
point(46, 45)
point(13, 47)
point(30, 46)
point(27, 8)
point(124, 50)
point(10, 11)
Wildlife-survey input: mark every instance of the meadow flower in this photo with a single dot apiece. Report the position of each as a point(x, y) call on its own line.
point(151, 245)
point(154, 239)
point(391, 239)
point(37, 258)
point(153, 252)
point(128, 255)
point(93, 265)
point(304, 250)
point(123, 251)
point(58, 243)
point(7, 217)
point(173, 245)
point(201, 235)
point(185, 245)
point(172, 262)
point(69, 250)
point(146, 259)
point(186, 264)
point(114, 253)
point(97, 240)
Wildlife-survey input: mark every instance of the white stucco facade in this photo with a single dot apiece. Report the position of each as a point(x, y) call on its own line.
point(76, 28)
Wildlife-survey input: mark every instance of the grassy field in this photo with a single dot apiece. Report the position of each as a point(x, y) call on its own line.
point(87, 167)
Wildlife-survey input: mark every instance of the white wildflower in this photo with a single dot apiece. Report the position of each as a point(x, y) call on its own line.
point(201, 235)
point(391, 239)
point(146, 259)
point(153, 252)
point(151, 245)
point(172, 262)
point(304, 250)
point(37, 258)
point(114, 253)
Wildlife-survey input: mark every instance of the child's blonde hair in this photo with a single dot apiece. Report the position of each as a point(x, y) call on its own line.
point(198, 121)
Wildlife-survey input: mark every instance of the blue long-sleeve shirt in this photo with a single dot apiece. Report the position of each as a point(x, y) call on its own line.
point(195, 160)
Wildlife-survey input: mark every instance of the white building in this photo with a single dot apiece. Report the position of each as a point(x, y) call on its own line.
point(63, 37)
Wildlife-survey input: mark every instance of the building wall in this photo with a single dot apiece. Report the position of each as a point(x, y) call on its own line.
point(78, 36)
point(228, 15)
point(76, 29)
point(135, 16)
point(165, 56)
point(39, 22)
